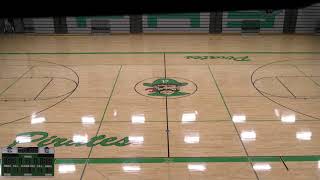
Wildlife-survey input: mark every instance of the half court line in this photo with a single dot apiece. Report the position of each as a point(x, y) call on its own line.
point(167, 114)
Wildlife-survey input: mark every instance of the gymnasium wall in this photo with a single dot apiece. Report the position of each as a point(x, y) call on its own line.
point(38, 25)
point(112, 24)
point(182, 22)
point(306, 20)
point(269, 23)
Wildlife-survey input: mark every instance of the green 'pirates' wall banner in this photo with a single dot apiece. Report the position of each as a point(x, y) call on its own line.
point(42, 139)
point(82, 20)
point(235, 18)
point(152, 20)
point(244, 58)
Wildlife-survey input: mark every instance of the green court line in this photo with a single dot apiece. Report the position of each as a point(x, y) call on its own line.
point(265, 159)
point(71, 161)
point(258, 52)
point(187, 159)
point(301, 158)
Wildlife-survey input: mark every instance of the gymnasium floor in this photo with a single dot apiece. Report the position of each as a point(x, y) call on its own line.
point(165, 106)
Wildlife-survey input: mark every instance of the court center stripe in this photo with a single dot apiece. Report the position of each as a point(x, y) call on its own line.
point(167, 115)
point(186, 52)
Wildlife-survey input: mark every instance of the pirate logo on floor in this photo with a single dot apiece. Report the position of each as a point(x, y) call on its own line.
point(165, 87)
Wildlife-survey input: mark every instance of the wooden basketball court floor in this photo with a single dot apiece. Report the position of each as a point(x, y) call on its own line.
point(165, 106)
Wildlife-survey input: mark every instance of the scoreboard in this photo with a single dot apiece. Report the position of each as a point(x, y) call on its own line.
point(27, 161)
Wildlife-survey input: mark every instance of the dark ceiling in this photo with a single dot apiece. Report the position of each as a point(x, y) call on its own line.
point(89, 8)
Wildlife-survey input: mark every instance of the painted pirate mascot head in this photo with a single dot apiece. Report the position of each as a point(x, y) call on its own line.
point(165, 87)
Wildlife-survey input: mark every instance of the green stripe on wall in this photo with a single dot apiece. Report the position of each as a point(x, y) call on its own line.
point(251, 14)
point(234, 19)
point(82, 20)
point(153, 19)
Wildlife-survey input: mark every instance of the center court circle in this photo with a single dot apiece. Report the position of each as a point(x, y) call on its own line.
point(162, 87)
